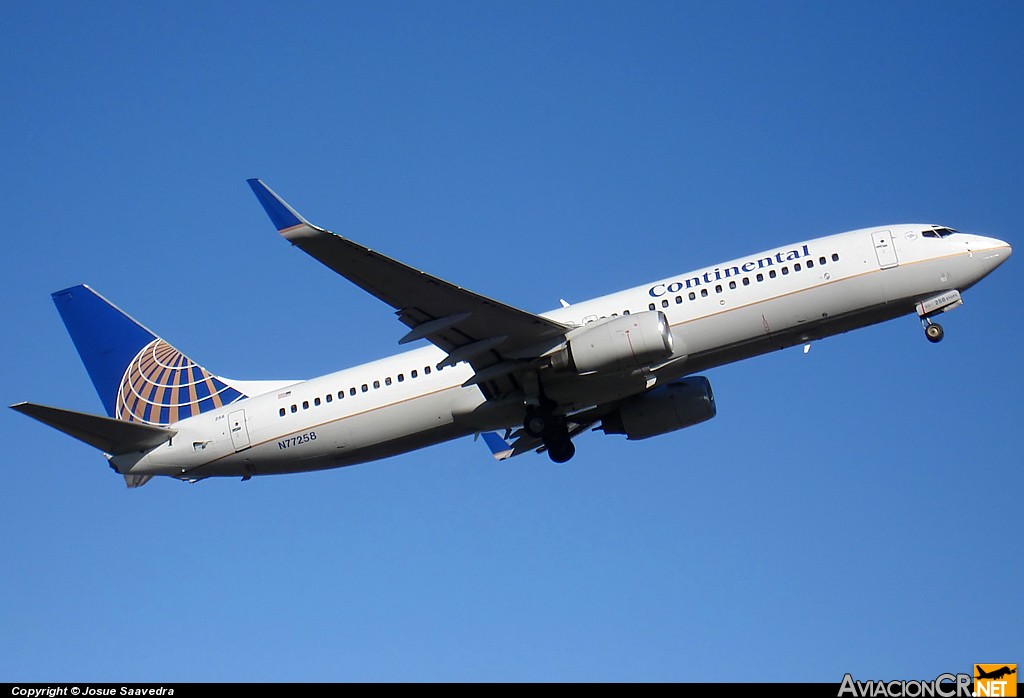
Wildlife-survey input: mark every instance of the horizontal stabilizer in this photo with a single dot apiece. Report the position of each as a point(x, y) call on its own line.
point(113, 436)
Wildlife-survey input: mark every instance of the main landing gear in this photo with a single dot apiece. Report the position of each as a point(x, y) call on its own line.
point(542, 423)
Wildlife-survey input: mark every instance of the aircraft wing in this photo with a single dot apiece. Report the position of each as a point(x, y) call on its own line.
point(469, 327)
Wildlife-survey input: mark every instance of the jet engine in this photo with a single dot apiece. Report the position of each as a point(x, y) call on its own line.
point(618, 344)
point(673, 406)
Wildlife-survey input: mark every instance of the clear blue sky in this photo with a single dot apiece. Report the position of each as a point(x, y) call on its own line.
point(855, 510)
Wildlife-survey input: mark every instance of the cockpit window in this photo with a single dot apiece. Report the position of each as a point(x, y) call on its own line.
point(937, 232)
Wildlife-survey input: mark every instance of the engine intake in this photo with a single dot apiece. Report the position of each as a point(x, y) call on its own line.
point(676, 405)
point(622, 343)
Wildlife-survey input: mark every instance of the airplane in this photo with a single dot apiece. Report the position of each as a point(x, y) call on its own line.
point(995, 674)
point(625, 363)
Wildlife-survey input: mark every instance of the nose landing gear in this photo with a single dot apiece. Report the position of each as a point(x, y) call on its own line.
point(928, 308)
point(934, 332)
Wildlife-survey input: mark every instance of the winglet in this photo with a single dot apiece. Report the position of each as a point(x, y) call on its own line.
point(500, 448)
point(286, 219)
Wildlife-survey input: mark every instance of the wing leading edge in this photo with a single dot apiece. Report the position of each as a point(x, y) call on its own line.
point(489, 335)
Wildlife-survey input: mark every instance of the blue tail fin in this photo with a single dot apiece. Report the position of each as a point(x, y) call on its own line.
point(139, 377)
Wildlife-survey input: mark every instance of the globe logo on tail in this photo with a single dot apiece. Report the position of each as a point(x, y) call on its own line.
point(162, 386)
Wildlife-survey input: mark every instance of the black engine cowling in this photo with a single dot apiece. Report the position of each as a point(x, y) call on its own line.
point(618, 344)
point(673, 406)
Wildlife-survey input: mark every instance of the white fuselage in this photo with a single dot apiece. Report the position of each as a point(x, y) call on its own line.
point(719, 314)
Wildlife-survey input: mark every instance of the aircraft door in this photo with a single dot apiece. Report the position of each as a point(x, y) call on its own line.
point(239, 430)
point(884, 249)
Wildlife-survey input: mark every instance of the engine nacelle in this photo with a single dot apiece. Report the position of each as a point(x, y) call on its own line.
point(619, 344)
point(677, 405)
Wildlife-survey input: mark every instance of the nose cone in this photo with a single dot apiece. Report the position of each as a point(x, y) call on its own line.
point(997, 250)
point(992, 252)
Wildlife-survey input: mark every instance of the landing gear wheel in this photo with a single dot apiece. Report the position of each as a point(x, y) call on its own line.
point(934, 332)
point(561, 451)
point(542, 423)
point(536, 423)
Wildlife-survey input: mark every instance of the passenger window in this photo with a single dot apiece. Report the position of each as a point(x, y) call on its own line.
point(650, 306)
point(796, 267)
point(703, 293)
point(732, 284)
point(281, 412)
point(316, 402)
point(785, 271)
point(810, 264)
point(625, 312)
point(329, 397)
point(821, 260)
point(401, 377)
point(305, 404)
point(835, 257)
point(426, 370)
point(413, 373)
point(692, 295)
point(746, 280)
point(679, 299)
point(295, 408)
point(664, 303)
point(365, 387)
point(387, 381)
point(760, 277)
point(718, 288)
point(352, 391)
point(341, 394)
point(772, 274)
